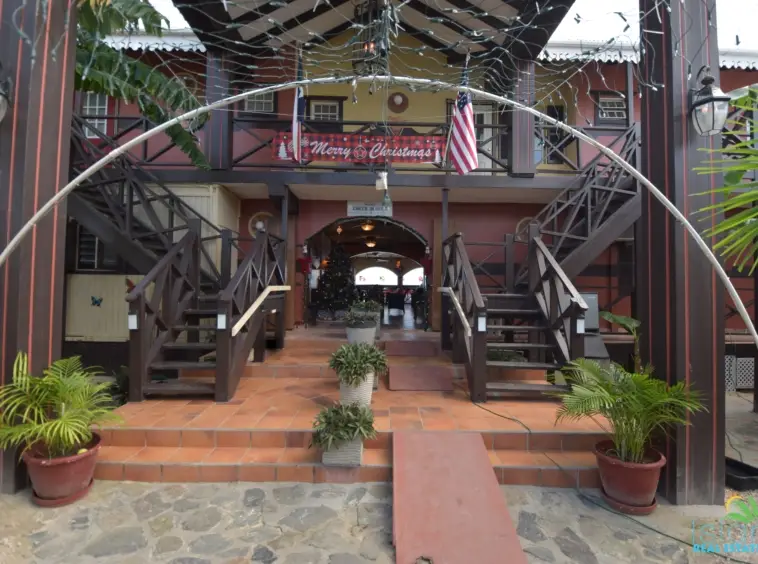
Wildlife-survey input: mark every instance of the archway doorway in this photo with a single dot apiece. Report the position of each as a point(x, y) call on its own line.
point(374, 258)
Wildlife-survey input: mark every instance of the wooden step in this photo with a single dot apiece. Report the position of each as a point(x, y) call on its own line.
point(512, 312)
point(200, 312)
point(469, 521)
point(411, 348)
point(193, 327)
point(181, 365)
point(181, 387)
point(519, 346)
point(516, 365)
point(510, 386)
point(505, 295)
point(190, 346)
point(536, 327)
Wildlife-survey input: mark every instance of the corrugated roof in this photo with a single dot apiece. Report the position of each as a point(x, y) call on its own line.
point(601, 30)
point(609, 32)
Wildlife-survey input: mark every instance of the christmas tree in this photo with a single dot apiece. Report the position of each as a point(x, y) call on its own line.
point(336, 286)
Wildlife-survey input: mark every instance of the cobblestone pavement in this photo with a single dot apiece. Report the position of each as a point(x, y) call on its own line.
point(130, 523)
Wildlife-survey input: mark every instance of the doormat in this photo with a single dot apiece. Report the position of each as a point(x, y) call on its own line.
point(421, 378)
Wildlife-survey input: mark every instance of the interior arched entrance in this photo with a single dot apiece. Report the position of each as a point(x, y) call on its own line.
point(379, 253)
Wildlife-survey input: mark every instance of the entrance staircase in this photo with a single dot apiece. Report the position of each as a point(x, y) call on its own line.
point(513, 339)
point(203, 301)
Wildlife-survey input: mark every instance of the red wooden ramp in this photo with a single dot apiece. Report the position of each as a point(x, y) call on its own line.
point(448, 506)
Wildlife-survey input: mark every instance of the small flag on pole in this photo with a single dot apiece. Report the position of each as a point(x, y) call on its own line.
point(463, 133)
point(298, 115)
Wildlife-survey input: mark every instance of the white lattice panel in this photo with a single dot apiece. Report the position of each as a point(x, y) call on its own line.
point(745, 374)
point(730, 372)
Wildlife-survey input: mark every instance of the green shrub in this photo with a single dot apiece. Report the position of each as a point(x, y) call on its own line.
point(55, 412)
point(341, 424)
point(366, 305)
point(360, 318)
point(354, 362)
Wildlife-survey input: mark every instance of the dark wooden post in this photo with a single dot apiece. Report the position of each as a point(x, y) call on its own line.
point(534, 273)
point(224, 321)
point(479, 354)
point(37, 48)
point(680, 300)
point(446, 342)
point(521, 134)
point(219, 130)
point(510, 266)
point(195, 272)
point(138, 337)
point(225, 267)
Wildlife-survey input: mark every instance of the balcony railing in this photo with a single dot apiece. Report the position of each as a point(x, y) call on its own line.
point(255, 144)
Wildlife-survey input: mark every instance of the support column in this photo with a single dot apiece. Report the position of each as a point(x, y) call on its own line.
point(680, 301)
point(37, 46)
point(219, 129)
point(520, 149)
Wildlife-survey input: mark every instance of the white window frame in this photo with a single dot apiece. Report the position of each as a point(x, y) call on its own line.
point(263, 103)
point(94, 104)
point(333, 113)
point(617, 107)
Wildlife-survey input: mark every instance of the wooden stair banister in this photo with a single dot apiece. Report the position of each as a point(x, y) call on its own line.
point(468, 327)
point(558, 299)
point(240, 321)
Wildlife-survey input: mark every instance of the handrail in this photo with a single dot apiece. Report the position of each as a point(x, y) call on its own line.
point(163, 263)
point(468, 273)
point(256, 304)
point(449, 291)
point(227, 293)
point(575, 295)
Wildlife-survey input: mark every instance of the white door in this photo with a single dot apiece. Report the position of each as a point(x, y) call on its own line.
point(485, 136)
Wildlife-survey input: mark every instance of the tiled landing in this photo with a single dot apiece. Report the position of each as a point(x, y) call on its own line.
point(264, 432)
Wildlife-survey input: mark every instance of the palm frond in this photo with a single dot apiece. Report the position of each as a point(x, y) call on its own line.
point(55, 411)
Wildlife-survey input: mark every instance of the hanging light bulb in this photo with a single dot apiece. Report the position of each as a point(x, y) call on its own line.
point(367, 225)
point(370, 242)
point(339, 230)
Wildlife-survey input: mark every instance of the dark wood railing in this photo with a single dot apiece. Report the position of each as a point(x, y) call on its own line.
point(240, 330)
point(560, 302)
point(252, 145)
point(464, 316)
point(150, 214)
point(158, 302)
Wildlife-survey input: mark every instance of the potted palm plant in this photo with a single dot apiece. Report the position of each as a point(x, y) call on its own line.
point(638, 408)
point(339, 431)
point(361, 326)
point(51, 418)
point(357, 365)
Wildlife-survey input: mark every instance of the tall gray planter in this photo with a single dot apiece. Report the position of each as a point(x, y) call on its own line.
point(362, 333)
point(346, 454)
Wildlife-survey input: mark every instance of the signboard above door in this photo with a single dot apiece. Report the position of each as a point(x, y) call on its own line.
point(368, 209)
point(362, 148)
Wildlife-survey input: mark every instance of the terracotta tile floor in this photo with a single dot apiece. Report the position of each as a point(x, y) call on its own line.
point(292, 404)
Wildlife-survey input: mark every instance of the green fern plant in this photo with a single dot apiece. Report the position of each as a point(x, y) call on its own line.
point(353, 363)
point(53, 413)
point(636, 405)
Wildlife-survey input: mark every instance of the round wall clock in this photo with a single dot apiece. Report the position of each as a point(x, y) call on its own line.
point(256, 220)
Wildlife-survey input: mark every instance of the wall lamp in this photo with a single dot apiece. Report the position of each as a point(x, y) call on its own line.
point(709, 106)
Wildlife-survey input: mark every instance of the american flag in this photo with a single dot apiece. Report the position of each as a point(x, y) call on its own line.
point(463, 134)
point(298, 115)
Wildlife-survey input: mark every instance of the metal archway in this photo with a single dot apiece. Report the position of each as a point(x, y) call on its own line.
point(406, 81)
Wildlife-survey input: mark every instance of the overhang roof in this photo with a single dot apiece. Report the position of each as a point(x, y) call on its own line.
point(590, 32)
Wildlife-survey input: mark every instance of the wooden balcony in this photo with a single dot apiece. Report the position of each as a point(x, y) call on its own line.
point(352, 148)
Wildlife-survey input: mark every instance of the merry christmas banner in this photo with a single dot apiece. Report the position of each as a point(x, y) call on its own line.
point(362, 148)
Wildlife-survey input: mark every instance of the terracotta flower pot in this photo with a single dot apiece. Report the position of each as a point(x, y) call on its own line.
point(631, 485)
point(64, 480)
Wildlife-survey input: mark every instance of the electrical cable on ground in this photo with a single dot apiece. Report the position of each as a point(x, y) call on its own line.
point(596, 501)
